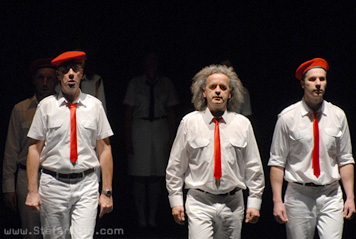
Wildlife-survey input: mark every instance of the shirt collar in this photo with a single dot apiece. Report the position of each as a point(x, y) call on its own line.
point(306, 109)
point(208, 116)
point(33, 102)
point(63, 101)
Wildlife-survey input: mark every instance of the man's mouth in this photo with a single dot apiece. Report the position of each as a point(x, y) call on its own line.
point(71, 84)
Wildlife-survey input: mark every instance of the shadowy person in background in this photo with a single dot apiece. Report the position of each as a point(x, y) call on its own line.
point(150, 129)
point(245, 108)
point(44, 79)
point(311, 149)
point(69, 132)
point(215, 155)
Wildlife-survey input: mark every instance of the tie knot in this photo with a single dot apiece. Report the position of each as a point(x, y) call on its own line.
point(72, 105)
point(315, 115)
point(217, 120)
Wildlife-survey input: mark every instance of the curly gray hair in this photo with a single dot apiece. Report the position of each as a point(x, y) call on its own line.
point(199, 82)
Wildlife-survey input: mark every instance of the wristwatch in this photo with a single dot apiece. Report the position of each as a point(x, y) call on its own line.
point(107, 193)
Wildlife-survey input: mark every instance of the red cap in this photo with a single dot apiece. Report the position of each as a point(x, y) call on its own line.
point(76, 56)
point(40, 63)
point(316, 62)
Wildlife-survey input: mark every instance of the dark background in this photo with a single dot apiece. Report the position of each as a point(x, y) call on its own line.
point(266, 41)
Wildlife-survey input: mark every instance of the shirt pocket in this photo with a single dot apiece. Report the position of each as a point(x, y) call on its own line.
point(302, 141)
point(89, 126)
point(236, 149)
point(198, 150)
point(332, 135)
point(55, 129)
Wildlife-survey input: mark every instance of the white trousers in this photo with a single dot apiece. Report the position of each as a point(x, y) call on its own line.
point(30, 220)
point(314, 207)
point(212, 216)
point(68, 209)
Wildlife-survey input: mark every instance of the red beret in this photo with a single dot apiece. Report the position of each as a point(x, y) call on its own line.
point(76, 56)
point(316, 62)
point(40, 63)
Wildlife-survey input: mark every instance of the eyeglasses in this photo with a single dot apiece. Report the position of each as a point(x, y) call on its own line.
point(66, 68)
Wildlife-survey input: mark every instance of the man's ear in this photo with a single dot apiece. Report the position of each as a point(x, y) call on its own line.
point(302, 83)
point(203, 90)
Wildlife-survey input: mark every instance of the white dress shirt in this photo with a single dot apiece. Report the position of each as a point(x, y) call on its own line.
point(192, 158)
point(293, 143)
point(138, 96)
point(17, 143)
point(51, 123)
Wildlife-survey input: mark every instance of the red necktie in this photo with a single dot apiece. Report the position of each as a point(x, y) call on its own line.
point(217, 151)
point(73, 133)
point(316, 166)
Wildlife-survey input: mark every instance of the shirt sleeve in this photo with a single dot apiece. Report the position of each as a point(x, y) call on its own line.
point(177, 166)
point(254, 176)
point(104, 128)
point(12, 150)
point(280, 145)
point(38, 127)
point(345, 149)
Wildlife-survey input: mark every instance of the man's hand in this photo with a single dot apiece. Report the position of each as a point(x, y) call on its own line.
point(33, 200)
point(280, 213)
point(10, 201)
point(106, 205)
point(252, 215)
point(349, 209)
point(178, 214)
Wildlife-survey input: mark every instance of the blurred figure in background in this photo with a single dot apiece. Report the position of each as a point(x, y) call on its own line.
point(150, 129)
point(44, 79)
point(245, 108)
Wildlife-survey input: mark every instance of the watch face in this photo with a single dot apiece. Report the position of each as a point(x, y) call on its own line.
point(107, 192)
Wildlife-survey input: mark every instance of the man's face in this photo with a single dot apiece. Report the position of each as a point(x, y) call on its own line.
point(217, 91)
point(70, 76)
point(314, 84)
point(45, 81)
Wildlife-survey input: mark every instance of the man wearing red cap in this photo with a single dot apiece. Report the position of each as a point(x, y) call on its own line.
point(44, 79)
point(69, 130)
point(311, 149)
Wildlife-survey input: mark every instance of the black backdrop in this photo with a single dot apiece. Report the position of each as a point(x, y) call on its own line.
point(266, 41)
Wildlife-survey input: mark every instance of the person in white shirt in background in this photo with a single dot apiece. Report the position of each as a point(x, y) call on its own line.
point(215, 204)
point(44, 79)
point(150, 102)
point(311, 149)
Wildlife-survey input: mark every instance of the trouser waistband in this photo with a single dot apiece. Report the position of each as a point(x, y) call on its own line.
point(79, 175)
point(313, 184)
point(232, 192)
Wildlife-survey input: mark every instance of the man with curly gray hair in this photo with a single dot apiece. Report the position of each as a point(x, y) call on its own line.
point(215, 155)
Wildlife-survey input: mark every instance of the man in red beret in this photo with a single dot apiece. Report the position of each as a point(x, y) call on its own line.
point(14, 165)
point(311, 149)
point(69, 139)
